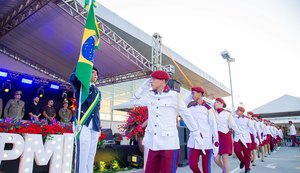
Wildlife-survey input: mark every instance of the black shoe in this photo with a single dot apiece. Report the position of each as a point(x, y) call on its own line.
point(247, 171)
point(242, 165)
point(258, 156)
point(253, 164)
point(262, 160)
point(251, 161)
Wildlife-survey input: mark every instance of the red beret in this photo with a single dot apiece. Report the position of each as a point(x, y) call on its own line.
point(255, 115)
point(250, 113)
point(160, 74)
point(220, 100)
point(240, 108)
point(198, 89)
point(290, 121)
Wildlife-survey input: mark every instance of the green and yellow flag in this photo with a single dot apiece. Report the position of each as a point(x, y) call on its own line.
point(90, 41)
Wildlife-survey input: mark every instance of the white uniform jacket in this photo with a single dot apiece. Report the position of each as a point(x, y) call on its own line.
point(268, 130)
point(273, 131)
point(243, 124)
point(280, 133)
point(264, 130)
point(292, 130)
point(225, 121)
point(258, 131)
point(161, 132)
point(205, 118)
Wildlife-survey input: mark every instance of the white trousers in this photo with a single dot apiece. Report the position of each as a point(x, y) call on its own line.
point(85, 150)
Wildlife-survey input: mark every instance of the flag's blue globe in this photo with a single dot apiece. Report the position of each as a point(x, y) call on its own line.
point(88, 49)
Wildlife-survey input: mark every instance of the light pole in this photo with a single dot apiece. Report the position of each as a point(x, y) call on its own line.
point(226, 55)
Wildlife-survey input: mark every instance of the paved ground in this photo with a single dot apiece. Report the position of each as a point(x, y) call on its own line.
point(286, 160)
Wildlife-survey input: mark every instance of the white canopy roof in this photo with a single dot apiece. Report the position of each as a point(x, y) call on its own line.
point(283, 104)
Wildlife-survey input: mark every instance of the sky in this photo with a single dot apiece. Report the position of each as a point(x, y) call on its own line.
point(262, 36)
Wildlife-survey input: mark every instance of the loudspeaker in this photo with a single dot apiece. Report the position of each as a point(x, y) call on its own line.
point(182, 135)
point(183, 160)
point(174, 85)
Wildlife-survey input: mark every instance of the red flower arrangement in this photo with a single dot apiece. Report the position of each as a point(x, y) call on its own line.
point(133, 126)
point(9, 125)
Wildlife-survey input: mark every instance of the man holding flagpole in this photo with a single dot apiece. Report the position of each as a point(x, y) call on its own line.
point(87, 117)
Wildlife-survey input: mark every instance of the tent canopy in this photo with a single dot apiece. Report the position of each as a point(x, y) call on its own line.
point(50, 37)
point(285, 105)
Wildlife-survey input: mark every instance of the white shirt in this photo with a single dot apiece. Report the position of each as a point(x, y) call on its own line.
point(268, 130)
point(205, 119)
point(280, 133)
point(258, 130)
point(225, 121)
point(243, 124)
point(161, 132)
point(292, 130)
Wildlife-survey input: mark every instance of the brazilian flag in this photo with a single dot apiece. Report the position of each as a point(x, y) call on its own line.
point(90, 41)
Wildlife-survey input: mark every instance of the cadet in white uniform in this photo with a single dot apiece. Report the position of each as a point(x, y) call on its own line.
point(243, 152)
point(161, 135)
point(204, 116)
point(224, 122)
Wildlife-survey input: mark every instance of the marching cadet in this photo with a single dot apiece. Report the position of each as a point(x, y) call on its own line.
point(293, 134)
point(269, 137)
point(259, 140)
point(15, 108)
point(264, 138)
point(204, 117)
point(280, 136)
point(243, 152)
point(254, 138)
point(261, 133)
point(224, 122)
point(161, 135)
point(273, 134)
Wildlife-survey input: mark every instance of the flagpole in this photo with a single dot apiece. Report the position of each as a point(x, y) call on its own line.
point(79, 109)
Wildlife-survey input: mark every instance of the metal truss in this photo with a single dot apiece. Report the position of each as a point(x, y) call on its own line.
point(12, 75)
point(34, 66)
point(156, 52)
point(123, 78)
point(20, 14)
point(73, 8)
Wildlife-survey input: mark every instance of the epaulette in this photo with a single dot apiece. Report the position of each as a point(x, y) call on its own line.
point(208, 107)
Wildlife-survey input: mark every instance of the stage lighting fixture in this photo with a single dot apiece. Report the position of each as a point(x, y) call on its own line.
point(64, 95)
point(27, 81)
point(3, 74)
point(6, 86)
point(41, 92)
point(53, 86)
point(135, 161)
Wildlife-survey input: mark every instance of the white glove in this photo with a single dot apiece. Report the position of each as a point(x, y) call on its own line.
point(189, 99)
point(216, 148)
point(198, 140)
point(146, 85)
point(256, 140)
point(241, 137)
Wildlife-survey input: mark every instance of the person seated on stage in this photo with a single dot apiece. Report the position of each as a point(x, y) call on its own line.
point(65, 113)
point(49, 111)
point(15, 108)
point(1, 107)
point(34, 109)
